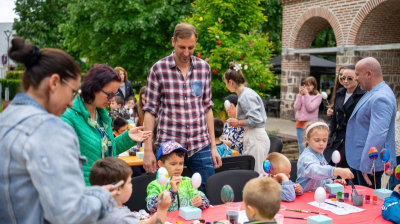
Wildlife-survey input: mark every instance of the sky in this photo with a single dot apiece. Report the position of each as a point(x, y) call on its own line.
point(7, 13)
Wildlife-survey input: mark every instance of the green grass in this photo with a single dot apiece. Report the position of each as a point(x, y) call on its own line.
point(273, 132)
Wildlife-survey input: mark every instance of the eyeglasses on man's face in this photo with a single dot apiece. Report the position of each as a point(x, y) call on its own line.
point(109, 95)
point(76, 93)
point(349, 79)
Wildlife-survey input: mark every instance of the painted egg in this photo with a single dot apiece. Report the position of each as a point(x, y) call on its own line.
point(397, 172)
point(320, 195)
point(227, 194)
point(385, 155)
point(389, 168)
point(373, 153)
point(227, 104)
point(267, 166)
point(196, 180)
point(324, 95)
point(162, 176)
point(336, 156)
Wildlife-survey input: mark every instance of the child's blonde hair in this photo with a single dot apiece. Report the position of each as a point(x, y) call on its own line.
point(264, 194)
point(314, 125)
point(278, 160)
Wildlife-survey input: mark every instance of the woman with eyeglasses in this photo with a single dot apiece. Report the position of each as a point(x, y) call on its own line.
point(89, 118)
point(41, 179)
point(346, 100)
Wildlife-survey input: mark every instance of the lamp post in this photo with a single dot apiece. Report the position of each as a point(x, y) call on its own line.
point(8, 34)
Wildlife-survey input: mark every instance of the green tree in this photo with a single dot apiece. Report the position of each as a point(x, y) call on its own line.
point(38, 21)
point(131, 34)
point(230, 31)
point(273, 11)
point(326, 38)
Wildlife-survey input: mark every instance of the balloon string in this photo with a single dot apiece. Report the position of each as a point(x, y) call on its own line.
point(374, 174)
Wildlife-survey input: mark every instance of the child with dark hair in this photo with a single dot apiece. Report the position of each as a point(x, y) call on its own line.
point(116, 109)
point(119, 125)
point(222, 148)
point(111, 170)
point(171, 156)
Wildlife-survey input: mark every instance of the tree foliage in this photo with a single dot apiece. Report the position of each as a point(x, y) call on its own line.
point(38, 21)
point(131, 34)
point(273, 12)
point(230, 31)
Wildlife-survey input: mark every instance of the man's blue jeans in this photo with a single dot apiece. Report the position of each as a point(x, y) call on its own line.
point(201, 162)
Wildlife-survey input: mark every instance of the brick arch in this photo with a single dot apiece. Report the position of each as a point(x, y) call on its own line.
point(314, 21)
point(360, 18)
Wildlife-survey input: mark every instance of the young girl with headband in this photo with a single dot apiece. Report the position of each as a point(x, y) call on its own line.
point(250, 113)
point(313, 170)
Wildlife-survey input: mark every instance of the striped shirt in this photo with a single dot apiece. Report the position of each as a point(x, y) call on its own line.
point(180, 104)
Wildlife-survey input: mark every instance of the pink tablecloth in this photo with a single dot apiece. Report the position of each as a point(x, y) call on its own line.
point(372, 213)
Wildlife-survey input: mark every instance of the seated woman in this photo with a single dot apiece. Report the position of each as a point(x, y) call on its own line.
point(233, 137)
point(89, 118)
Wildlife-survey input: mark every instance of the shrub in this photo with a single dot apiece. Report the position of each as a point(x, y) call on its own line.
point(14, 86)
point(14, 74)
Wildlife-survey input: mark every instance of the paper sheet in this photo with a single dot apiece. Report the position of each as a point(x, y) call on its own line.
point(242, 217)
point(343, 209)
point(124, 154)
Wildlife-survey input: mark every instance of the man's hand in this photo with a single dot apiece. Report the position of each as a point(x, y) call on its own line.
point(233, 122)
point(175, 181)
point(216, 158)
point(149, 161)
point(164, 200)
point(111, 189)
point(366, 178)
point(196, 201)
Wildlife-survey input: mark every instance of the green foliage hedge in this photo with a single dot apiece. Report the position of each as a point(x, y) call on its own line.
point(14, 86)
point(14, 74)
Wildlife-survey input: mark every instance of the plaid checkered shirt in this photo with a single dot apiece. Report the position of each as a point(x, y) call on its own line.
point(180, 104)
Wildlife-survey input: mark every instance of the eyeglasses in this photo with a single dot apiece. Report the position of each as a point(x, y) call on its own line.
point(349, 79)
point(76, 93)
point(109, 95)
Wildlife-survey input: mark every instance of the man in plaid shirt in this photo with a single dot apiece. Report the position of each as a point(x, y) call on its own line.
point(178, 93)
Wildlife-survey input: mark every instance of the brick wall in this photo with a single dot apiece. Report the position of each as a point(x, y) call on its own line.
point(354, 22)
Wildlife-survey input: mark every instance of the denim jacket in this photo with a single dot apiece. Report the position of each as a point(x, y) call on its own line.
point(41, 179)
point(313, 170)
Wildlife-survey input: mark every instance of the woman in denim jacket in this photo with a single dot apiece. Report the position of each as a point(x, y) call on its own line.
point(41, 179)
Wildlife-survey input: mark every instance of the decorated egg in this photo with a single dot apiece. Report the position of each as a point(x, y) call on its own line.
point(162, 176)
point(320, 195)
point(324, 95)
point(336, 156)
point(267, 166)
point(397, 172)
point(389, 169)
point(227, 194)
point(373, 153)
point(196, 180)
point(227, 104)
point(385, 155)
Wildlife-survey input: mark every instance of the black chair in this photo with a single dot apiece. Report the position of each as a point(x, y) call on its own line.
point(235, 178)
point(276, 144)
point(240, 162)
point(274, 106)
point(265, 102)
point(293, 172)
point(137, 200)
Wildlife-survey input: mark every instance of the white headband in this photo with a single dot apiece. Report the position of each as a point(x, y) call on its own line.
point(315, 125)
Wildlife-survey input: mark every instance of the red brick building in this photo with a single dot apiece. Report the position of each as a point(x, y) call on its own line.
point(362, 28)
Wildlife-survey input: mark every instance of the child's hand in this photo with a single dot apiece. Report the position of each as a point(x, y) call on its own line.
point(164, 200)
point(340, 181)
point(175, 181)
point(344, 173)
point(280, 177)
point(297, 188)
point(196, 201)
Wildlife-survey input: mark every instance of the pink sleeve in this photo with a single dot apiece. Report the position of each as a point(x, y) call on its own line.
point(297, 103)
point(312, 103)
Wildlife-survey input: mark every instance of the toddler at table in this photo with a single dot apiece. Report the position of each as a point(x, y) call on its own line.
point(262, 200)
point(391, 206)
point(223, 149)
point(116, 109)
point(281, 168)
point(313, 170)
point(171, 156)
point(111, 170)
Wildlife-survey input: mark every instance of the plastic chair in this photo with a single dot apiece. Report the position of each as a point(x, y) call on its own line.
point(293, 172)
point(137, 200)
point(241, 162)
point(276, 144)
point(235, 178)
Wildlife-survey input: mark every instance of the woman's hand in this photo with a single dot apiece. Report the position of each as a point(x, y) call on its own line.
point(329, 112)
point(138, 135)
point(233, 122)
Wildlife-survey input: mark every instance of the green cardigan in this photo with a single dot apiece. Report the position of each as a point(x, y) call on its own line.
point(89, 138)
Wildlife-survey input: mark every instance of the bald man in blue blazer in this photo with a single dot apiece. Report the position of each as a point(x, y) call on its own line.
point(371, 123)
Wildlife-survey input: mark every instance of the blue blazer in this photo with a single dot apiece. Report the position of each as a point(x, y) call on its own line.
point(371, 124)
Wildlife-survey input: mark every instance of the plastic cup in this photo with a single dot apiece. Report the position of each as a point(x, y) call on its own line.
point(280, 216)
point(232, 212)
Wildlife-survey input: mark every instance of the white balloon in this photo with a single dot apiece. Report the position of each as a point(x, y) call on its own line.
point(324, 95)
point(320, 195)
point(196, 180)
point(162, 176)
point(336, 156)
point(227, 104)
